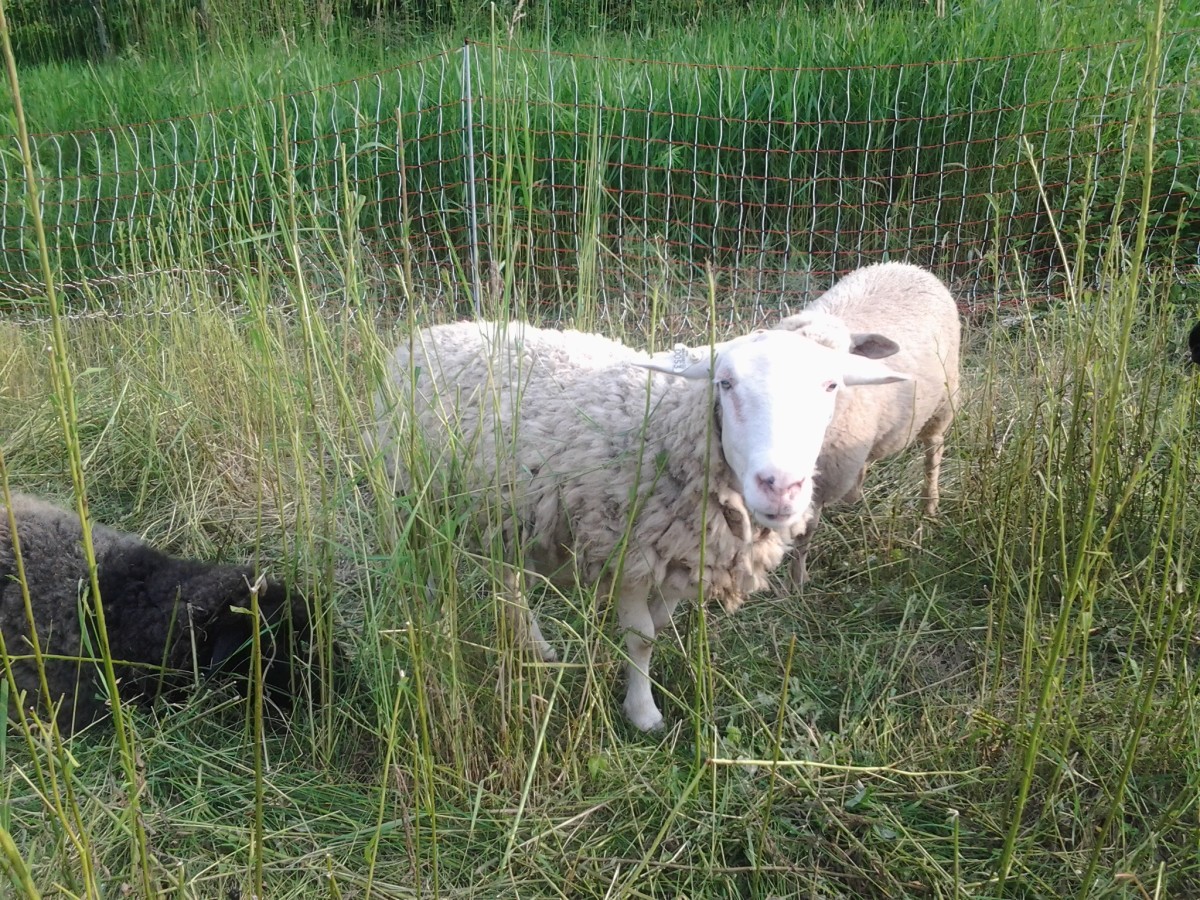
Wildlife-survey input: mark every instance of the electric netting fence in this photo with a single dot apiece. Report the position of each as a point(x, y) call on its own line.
point(492, 171)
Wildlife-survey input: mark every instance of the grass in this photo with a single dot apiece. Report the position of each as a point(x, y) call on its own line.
point(1001, 703)
point(910, 695)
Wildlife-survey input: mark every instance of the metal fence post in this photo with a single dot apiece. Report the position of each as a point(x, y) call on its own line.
point(469, 178)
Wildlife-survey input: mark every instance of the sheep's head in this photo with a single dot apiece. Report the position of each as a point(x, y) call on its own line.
point(1194, 343)
point(775, 393)
point(224, 640)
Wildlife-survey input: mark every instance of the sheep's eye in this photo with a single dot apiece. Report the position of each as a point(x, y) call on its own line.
point(830, 387)
point(724, 384)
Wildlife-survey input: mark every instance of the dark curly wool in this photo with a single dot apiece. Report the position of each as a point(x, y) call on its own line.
point(168, 619)
point(1194, 343)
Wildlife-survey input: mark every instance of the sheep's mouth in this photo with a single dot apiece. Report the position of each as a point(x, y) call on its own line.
point(777, 521)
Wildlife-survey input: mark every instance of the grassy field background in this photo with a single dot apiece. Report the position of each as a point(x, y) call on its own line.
point(608, 156)
point(1001, 703)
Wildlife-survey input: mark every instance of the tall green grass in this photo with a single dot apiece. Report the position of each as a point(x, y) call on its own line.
point(999, 703)
point(245, 69)
point(1019, 672)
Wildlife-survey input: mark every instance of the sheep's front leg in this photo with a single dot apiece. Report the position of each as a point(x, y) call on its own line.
point(637, 623)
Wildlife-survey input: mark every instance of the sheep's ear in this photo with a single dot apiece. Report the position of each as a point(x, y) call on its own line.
point(230, 638)
point(872, 345)
point(699, 369)
point(682, 362)
point(859, 370)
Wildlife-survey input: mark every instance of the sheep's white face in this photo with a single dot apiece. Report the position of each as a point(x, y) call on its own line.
point(777, 391)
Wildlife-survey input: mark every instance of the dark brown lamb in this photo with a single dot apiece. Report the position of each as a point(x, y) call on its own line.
point(168, 619)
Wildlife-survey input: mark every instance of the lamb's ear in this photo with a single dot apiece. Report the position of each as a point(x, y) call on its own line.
point(231, 635)
point(859, 370)
point(872, 345)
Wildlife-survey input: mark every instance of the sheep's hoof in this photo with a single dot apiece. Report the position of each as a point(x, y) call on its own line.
point(547, 653)
point(644, 719)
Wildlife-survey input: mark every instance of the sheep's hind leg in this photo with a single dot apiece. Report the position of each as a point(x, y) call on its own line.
point(935, 443)
point(638, 624)
point(933, 438)
point(521, 619)
point(856, 492)
point(661, 612)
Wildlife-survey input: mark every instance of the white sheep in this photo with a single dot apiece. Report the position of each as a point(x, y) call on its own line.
point(915, 310)
point(594, 469)
point(166, 617)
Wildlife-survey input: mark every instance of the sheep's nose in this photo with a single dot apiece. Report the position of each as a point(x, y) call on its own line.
point(769, 484)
